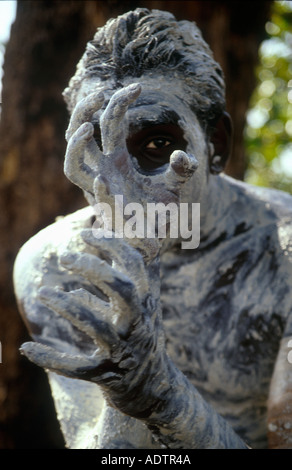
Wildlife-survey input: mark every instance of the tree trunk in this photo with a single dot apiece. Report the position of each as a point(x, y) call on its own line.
point(47, 40)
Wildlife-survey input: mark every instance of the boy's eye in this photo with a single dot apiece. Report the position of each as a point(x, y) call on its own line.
point(158, 143)
point(153, 145)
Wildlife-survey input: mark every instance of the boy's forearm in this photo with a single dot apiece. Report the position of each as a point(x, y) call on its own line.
point(184, 420)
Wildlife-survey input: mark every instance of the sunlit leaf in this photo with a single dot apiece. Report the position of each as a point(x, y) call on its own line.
point(269, 121)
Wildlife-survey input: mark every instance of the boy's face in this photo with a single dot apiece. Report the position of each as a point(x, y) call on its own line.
point(157, 123)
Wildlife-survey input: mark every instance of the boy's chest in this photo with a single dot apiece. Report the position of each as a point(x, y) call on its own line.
point(223, 325)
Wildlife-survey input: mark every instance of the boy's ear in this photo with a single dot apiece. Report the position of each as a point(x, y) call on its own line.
point(221, 140)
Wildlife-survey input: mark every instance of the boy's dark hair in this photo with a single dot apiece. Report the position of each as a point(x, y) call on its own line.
point(144, 42)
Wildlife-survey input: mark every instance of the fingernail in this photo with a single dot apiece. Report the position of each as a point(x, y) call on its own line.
point(45, 292)
point(68, 259)
point(86, 234)
point(86, 129)
point(194, 162)
point(100, 95)
point(182, 162)
point(134, 87)
point(178, 160)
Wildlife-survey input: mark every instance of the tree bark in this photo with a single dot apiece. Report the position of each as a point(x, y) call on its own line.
point(47, 40)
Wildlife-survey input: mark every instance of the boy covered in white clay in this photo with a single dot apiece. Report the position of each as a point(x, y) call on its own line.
point(148, 344)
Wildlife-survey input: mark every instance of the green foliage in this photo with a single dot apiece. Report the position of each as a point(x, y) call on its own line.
point(268, 133)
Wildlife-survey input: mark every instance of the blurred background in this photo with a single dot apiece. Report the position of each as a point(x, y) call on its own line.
point(40, 44)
